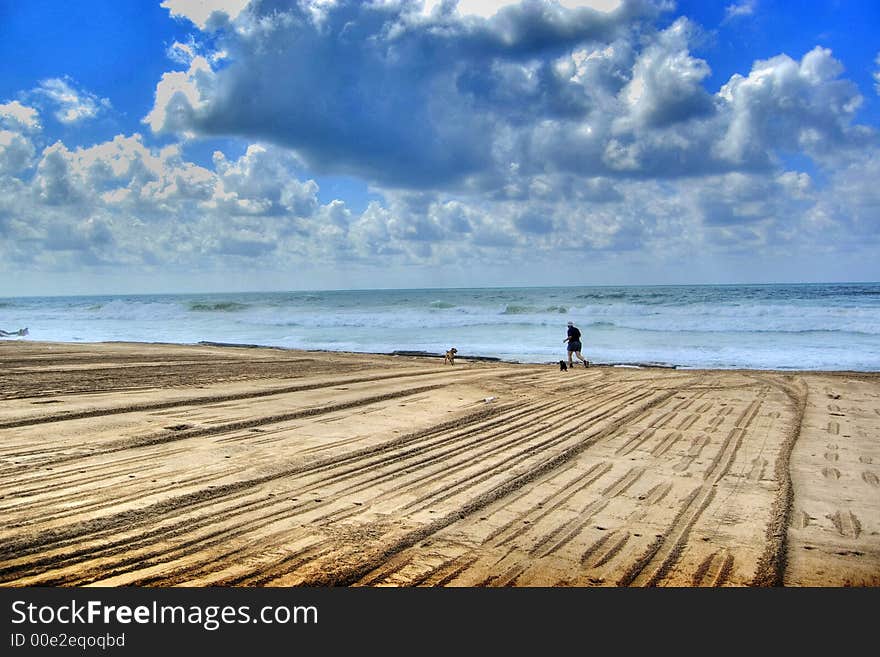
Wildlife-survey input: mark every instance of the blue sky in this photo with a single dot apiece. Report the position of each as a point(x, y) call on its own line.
point(224, 145)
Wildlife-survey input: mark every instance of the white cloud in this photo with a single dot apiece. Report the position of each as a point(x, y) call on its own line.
point(484, 145)
point(736, 10)
point(73, 105)
point(415, 101)
point(666, 84)
point(16, 152)
point(17, 116)
point(180, 96)
point(200, 11)
point(785, 104)
point(488, 8)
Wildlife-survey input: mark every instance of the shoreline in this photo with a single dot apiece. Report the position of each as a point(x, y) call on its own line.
point(438, 355)
point(144, 464)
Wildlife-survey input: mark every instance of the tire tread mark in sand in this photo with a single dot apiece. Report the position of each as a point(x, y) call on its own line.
point(173, 436)
point(498, 490)
point(656, 562)
point(133, 553)
point(337, 461)
point(623, 483)
point(394, 565)
point(666, 443)
point(715, 568)
point(568, 532)
point(565, 533)
point(662, 553)
point(636, 441)
point(315, 485)
point(770, 569)
point(509, 485)
point(500, 428)
point(507, 578)
point(98, 505)
point(697, 445)
point(432, 577)
point(446, 573)
point(656, 494)
point(123, 519)
point(620, 539)
point(846, 523)
point(94, 472)
point(597, 545)
point(233, 530)
point(206, 400)
point(724, 455)
point(332, 574)
point(716, 421)
point(553, 441)
point(517, 527)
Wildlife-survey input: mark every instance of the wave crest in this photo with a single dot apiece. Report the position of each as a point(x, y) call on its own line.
point(220, 306)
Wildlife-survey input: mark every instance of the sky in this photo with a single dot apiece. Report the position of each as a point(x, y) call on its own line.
point(226, 145)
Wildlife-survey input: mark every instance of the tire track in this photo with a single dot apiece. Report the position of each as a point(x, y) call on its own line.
point(222, 398)
point(560, 535)
point(659, 558)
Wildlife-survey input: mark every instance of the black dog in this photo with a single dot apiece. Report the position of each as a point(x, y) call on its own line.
point(562, 366)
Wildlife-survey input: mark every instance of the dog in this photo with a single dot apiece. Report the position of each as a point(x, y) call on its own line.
point(562, 366)
point(450, 356)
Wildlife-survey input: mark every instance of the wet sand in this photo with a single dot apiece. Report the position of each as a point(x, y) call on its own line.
point(158, 465)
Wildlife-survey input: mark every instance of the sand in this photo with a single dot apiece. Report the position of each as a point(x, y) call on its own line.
point(158, 465)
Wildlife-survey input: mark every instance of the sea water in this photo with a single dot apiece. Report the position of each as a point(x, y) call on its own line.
point(806, 326)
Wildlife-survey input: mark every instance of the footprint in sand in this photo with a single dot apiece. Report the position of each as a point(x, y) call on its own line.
point(831, 473)
point(831, 456)
point(800, 519)
point(866, 459)
point(846, 523)
point(871, 479)
point(758, 466)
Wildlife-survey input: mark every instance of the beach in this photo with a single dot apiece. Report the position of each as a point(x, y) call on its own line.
point(146, 464)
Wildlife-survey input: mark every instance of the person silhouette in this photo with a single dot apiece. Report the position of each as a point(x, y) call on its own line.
point(574, 344)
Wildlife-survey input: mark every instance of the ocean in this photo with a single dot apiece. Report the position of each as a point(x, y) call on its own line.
point(791, 327)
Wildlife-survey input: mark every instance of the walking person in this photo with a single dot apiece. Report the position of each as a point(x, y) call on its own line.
point(574, 344)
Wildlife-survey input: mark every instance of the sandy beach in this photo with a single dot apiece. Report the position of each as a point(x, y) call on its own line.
point(156, 465)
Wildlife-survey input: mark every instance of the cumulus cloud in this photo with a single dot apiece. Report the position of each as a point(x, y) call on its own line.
point(666, 83)
point(411, 100)
point(72, 105)
point(203, 11)
point(537, 132)
point(403, 98)
point(16, 152)
point(16, 116)
point(787, 105)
